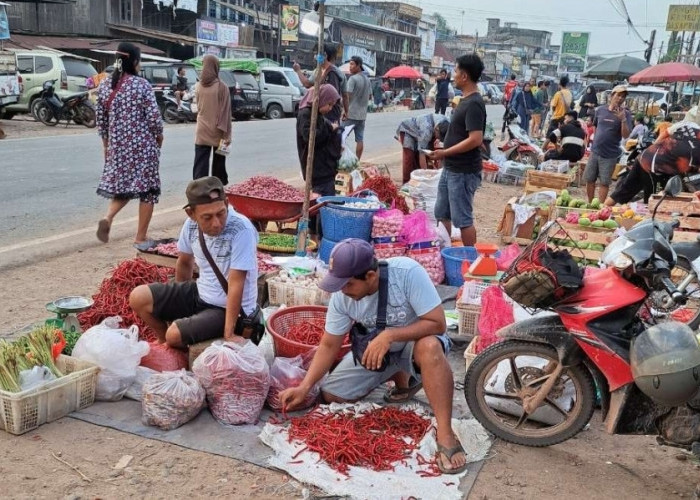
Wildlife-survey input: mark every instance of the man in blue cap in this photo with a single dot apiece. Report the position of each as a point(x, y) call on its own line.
point(413, 343)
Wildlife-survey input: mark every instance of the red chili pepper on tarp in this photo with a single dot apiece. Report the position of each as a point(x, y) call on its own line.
point(376, 439)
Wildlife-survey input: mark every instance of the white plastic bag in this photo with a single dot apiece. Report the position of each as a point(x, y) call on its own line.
point(237, 380)
point(117, 351)
point(135, 390)
point(348, 160)
point(285, 374)
point(171, 399)
point(36, 377)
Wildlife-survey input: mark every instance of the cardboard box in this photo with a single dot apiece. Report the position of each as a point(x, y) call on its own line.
point(523, 231)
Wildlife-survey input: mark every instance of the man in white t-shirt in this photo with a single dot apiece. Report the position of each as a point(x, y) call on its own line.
point(186, 312)
point(414, 340)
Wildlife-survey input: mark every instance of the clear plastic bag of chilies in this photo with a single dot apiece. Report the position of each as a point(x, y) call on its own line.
point(171, 399)
point(286, 373)
point(237, 380)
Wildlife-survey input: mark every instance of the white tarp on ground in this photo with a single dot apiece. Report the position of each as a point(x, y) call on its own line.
point(367, 484)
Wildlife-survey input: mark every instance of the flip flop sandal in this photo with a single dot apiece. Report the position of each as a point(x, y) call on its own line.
point(399, 395)
point(145, 245)
point(449, 453)
point(103, 228)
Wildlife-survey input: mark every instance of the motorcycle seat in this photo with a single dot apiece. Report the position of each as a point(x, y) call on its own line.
point(73, 95)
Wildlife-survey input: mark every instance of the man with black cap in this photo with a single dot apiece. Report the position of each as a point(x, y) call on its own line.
point(186, 312)
point(357, 94)
point(410, 350)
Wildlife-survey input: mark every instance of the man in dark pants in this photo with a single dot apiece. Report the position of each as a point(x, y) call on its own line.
point(442, 95)
point(507, 94)
point(461, 175)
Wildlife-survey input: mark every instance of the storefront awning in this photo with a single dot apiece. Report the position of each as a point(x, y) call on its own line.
point(29, 42)
point(157, 34)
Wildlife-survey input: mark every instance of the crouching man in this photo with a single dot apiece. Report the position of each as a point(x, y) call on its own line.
point(411, 350)
point(223, 300)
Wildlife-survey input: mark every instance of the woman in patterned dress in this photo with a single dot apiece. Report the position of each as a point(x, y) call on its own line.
point(131, 129)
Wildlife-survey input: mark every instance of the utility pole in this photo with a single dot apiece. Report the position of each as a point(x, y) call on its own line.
point(650, 46)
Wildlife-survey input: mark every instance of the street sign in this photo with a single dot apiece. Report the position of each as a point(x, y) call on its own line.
point(574, 52)
point(683, 18)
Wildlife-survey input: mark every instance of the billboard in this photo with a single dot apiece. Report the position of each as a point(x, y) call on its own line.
point(4, 24)
point(290, 24)
point(683, 18)
point(574, 52)
point(217, 34)
point(369, 58)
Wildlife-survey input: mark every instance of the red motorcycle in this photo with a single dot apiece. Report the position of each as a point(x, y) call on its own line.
point(540, 385)
point(519, 147)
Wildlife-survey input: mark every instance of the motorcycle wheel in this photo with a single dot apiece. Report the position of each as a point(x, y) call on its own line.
point(572, 398)
point(87, 116)
point(171, 114)
point(45, 115)
point(528, 158)
point(664, 309)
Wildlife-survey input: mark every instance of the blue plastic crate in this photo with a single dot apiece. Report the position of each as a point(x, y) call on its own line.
point(339, 222)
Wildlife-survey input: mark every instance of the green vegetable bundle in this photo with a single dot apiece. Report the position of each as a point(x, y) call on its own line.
point(27, 352)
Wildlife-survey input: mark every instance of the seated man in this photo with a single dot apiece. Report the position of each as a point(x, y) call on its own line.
point(186, 312)
point(180, 85)
point(414, 339)
point(569, 138)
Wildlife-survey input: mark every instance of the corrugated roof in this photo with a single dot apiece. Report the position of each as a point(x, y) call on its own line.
point(442, 51)
point(20, 41)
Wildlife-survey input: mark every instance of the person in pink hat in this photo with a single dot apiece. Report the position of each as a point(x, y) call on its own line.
point(409, 349)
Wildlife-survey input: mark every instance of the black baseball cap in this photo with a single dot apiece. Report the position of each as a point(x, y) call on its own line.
point(204, 190)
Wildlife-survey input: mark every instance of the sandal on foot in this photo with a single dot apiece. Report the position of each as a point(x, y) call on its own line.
point(400, 395)
point(449, 453)
point(103, 228)
point(144, 245)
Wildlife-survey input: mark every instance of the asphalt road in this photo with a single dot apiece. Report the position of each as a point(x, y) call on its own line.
point(48, 183)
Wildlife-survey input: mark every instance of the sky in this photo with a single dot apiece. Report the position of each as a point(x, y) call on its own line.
point(609, 33)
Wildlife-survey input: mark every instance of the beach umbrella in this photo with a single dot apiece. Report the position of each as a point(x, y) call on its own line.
point(671, 72)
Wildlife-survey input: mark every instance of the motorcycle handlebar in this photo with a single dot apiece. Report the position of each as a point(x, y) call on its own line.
point(678, 297)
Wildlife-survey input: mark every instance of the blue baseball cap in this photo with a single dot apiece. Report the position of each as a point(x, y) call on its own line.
point(350, 257)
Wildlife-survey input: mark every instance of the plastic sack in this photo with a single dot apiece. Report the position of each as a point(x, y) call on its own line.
point(163, 358)
point(423, 188)
point(507, 257)
point(499, 313)
point(348, 160)
point(285, 374)
point(417, 227)
point(171, 399)
point(36, 377)
point(117, 351)
point(135, 390)
point(387, 223)
point(236, 378)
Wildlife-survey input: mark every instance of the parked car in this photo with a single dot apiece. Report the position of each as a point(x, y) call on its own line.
point(38, 66)
point(281, 92)
point(496, 93)
point(10, 81)
point(160, 75)
point(246, 99)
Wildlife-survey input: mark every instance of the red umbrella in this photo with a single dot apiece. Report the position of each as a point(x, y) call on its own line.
point(403, 72)
point(667, 73)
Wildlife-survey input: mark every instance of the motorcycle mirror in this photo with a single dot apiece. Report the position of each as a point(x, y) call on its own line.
point(674, 186)
point(663, 251)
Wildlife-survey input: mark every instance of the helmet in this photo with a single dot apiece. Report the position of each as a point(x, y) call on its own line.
point(665, 363)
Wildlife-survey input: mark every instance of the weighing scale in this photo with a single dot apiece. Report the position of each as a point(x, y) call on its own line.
point(65, 310)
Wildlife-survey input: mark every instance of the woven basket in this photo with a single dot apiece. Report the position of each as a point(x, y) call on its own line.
point(310, 246)
point(468, 319)
point(280, 322)
point(470, 352)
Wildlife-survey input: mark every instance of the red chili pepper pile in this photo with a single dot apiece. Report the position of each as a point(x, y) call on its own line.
point(375, 439)
point(307, 332)
point(113, 297)
point(386, 190)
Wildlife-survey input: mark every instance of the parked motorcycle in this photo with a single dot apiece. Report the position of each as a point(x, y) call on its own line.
point(171, 113)
point(519, 147)
point(49, 109)
point(418, 99)
point(539, 386)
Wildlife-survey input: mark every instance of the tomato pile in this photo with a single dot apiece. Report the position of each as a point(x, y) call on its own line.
point(113, 297)
point(377, 439)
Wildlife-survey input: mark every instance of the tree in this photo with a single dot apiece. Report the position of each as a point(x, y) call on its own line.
point(673, 48)
point(443, 29)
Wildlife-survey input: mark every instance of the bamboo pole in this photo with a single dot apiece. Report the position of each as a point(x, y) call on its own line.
point(303, 226)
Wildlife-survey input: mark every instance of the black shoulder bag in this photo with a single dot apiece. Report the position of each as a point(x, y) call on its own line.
point(248, 327)
point(360, 336)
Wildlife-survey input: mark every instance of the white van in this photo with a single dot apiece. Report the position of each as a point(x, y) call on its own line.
point(643, 99)
point(281, 91)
